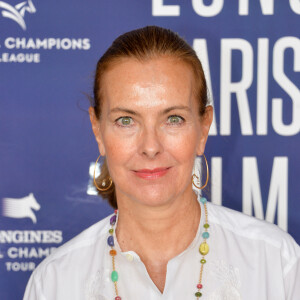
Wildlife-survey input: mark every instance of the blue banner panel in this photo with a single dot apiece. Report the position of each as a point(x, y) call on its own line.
point(250, 51)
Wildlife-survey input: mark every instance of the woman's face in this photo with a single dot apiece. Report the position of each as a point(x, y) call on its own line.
point(150, 130)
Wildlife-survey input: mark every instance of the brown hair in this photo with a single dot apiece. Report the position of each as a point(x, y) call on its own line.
point(144, 44)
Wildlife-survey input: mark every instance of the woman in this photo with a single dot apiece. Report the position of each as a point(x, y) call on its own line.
point(151, 119)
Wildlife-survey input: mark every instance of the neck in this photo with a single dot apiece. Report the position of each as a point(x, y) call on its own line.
point(158, 233)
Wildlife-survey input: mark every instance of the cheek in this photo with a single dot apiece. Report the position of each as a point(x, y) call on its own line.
point(182, 145)
point(118, 149)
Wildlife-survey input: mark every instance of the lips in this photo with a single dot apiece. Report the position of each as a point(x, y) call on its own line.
point(151, 173)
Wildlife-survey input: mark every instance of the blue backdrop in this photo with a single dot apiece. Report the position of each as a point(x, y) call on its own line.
point(48, 51)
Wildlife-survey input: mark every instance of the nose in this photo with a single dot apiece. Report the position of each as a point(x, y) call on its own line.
point(150, 143)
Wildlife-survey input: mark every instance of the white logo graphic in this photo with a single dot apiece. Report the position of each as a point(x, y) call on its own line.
point(91, 189)
point(20, 208)
point(17, 13)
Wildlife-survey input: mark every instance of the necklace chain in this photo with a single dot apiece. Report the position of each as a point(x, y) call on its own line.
point(203, 249)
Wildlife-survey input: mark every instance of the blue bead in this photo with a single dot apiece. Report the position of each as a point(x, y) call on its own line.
point(110, 241)
point(203, 200)
point(205, 235)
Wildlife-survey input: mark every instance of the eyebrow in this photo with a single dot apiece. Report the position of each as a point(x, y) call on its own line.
point(165, 111)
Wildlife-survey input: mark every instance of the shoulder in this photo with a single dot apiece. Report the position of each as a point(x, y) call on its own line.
point(77, 262)
point(251, 229)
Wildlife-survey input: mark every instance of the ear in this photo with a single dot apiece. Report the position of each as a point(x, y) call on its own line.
point(205, 122)
point(96, 129)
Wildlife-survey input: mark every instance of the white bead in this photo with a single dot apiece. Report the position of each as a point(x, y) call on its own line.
point(129, 257)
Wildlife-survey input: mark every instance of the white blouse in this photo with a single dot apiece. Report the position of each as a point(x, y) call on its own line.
point(248, 259)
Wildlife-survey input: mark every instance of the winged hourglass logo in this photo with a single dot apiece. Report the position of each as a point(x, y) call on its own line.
point(17, 12)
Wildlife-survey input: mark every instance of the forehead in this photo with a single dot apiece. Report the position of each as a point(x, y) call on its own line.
point(155, 81)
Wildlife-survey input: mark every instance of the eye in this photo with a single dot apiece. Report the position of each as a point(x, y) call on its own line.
point(124, 121)
point(175, 120)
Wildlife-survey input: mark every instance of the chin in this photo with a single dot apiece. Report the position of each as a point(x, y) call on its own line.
point(154, 196)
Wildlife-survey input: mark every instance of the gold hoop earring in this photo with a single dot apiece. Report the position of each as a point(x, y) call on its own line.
point(207, 177)
point(103, 181)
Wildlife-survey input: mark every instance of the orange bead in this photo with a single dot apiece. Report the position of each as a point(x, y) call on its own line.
point(113, 252)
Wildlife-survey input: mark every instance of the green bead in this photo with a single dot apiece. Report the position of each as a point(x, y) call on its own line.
point(206, 225)
point(203, 200)
point(198, 294)
point(204, 248)
point(114, 276)
point(111, 231)
point(203, 261)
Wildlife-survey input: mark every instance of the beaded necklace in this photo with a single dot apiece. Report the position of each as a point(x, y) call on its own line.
point(203, 249)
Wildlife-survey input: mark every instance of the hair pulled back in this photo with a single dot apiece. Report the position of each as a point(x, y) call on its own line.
point(144, 44)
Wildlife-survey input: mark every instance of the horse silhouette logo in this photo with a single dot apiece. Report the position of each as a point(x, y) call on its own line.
point(17, 12)
point(20, 208)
